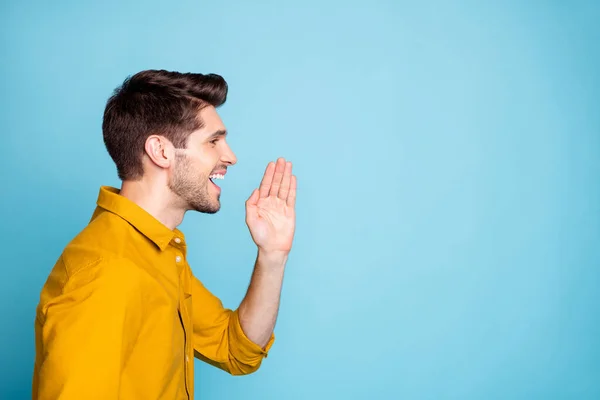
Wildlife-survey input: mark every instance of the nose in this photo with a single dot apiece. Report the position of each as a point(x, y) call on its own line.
point(228, 156)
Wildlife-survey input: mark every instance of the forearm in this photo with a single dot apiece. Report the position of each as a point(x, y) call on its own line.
point(258, 311)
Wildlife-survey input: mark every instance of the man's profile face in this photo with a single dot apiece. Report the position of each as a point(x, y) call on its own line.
point(207, 153)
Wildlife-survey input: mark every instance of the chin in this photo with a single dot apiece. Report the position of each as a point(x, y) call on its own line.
point(212, 208)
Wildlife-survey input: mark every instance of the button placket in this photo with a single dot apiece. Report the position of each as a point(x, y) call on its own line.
point(186, 325)
point(178, 245)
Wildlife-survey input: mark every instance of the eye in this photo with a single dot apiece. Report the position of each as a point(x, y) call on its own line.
point(214, 141)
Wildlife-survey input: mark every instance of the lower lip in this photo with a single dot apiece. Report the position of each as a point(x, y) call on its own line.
point(215, 186)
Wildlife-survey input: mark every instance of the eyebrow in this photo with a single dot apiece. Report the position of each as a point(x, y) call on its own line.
point(216, 134)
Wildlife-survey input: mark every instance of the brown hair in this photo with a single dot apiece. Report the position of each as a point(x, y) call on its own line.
point(156, 102)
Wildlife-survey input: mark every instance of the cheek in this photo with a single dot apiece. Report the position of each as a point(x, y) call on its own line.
point(204, 162)
point(208, 154)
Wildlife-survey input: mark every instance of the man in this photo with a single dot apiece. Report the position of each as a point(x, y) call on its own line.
point(121, 315)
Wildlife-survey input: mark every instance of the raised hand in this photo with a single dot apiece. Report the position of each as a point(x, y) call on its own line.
point(270, 210)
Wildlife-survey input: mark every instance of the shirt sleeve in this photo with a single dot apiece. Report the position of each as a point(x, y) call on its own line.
point(88, 332)
point(218, 336)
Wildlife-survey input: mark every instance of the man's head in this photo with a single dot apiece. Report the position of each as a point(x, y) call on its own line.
point(163, 126)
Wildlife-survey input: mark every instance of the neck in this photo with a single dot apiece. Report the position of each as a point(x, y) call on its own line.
point(156, 199)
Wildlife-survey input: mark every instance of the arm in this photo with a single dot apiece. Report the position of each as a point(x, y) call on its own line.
point(88, 331)
point(219, 339)
point(258, 311)
point(271, 219)
point(237, 341)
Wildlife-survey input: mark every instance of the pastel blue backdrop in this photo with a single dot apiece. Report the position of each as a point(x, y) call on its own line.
point(448, 161)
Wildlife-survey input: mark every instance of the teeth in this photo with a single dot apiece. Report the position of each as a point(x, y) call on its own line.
point(217, 176)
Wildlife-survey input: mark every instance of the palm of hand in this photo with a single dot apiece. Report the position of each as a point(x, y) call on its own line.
point(270, 210)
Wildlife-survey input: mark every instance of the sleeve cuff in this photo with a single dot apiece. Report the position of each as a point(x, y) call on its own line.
point(242, 348)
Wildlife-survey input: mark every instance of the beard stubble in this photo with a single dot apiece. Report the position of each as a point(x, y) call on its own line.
point(192, 188)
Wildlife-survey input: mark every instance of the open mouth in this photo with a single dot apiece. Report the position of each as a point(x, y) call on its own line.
point(216, 176)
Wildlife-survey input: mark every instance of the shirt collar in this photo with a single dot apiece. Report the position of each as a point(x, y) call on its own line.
point(109, 199)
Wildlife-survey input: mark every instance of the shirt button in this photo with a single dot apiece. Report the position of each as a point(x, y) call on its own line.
point(178, 259)
point(177, 240)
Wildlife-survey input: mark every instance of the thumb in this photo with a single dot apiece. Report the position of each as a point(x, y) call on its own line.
point(253, 199)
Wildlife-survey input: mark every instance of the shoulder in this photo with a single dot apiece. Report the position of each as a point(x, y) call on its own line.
point(105, 234)
point(99, 284)
point(114, 271)
point(103, 243)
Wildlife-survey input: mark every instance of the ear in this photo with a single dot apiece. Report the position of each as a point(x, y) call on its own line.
point(160, 151)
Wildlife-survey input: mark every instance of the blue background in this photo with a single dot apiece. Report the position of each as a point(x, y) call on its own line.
point(448, 162)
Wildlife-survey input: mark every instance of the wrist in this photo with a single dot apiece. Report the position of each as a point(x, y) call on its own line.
point(272, 259)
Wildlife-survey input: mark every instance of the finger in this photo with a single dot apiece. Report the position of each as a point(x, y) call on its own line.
point(286, 181)
point(291, 198)
point(277, 177)
point(253, 199)
point(265, 184)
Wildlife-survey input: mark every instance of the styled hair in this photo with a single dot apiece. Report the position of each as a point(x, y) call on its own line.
point(156, 102)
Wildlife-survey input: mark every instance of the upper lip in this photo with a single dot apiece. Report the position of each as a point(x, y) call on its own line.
point(219, 172)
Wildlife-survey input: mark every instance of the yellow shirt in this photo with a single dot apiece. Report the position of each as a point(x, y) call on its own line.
point(122, 317)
